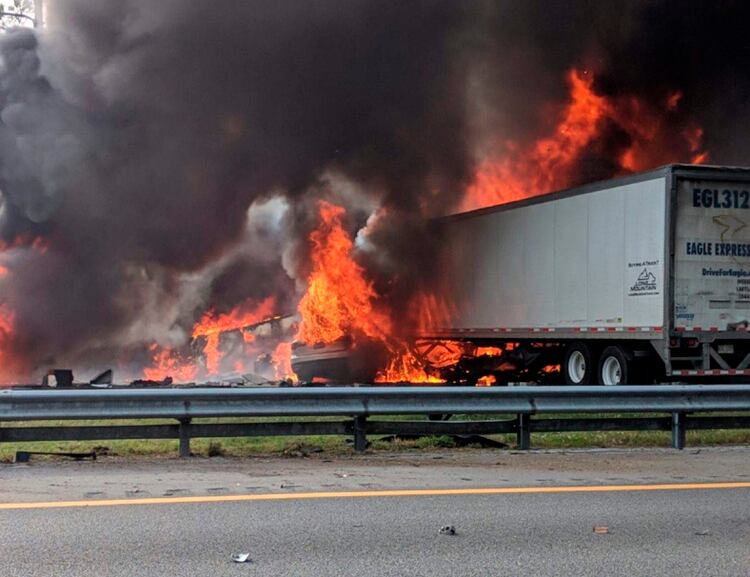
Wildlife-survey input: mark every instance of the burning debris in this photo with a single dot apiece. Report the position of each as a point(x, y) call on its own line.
point(192, 221)
point(233, 343)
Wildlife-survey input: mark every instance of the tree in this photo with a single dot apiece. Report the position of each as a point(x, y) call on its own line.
point(14, 13)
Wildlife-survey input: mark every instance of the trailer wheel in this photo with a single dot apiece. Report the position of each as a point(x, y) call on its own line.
point(615, 367)
point(579, 364)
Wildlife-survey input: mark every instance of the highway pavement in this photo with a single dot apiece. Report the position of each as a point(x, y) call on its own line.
point(553, 527)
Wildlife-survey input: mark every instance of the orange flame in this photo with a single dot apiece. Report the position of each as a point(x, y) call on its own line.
point(488, 351)
point(212, 326)
point(7, 362)
point(441, 354)
point(673, 99)
point(339, 298)
point(548, 163)
point(282, 359)
point(486, 381)
point(405, 367)
point(551, 162)
point(166, 363)
point(169, 363)
point(341, 301)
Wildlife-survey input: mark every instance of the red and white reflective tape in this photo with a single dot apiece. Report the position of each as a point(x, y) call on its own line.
point(618, 329)
point(699, 329)
point(710, 372)
point(561, 329)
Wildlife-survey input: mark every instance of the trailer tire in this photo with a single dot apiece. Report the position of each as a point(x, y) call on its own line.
point(615, 366)
point(579, 366)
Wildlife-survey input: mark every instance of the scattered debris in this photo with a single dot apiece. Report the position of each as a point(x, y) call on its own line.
point(447, 530)
point(166, 382)
point(241, 558)
point(458, 440)
point(301, 450)
point(466, 440)
point(62, 378)
point(173, 492)
point(25, 456)
point(601, 530)
point(103, 379)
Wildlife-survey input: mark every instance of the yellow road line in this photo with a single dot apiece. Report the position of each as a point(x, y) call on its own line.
point(364, 494)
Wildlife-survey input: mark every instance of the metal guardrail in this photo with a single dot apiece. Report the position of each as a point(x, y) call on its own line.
point(675, 402)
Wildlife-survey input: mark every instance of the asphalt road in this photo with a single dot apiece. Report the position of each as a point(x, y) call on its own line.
point(666, 532)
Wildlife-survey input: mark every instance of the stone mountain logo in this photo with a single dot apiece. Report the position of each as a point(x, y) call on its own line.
point(646, 281)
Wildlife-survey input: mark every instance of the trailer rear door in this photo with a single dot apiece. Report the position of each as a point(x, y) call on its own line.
point(712, 255)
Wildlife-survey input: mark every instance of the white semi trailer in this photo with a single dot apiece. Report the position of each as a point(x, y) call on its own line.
point(636, 279)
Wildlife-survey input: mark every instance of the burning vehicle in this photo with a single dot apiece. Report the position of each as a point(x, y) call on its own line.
point(337, 362)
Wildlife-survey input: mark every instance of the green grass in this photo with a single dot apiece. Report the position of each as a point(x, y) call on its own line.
point(338, 445)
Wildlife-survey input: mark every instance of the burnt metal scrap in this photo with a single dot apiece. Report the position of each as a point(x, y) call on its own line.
point(525, 363)
point(25, 456)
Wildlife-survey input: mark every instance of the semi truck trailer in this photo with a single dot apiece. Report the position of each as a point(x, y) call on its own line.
point(633, 280)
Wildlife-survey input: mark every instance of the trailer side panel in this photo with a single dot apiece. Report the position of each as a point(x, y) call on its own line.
point(592, 260)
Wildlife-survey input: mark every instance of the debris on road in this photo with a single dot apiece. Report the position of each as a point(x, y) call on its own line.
point(25, 456)
point(467, 440)
point(104, 379)
point(447, 530)
point(241, 558)
point(703, 533)
point(601, 530)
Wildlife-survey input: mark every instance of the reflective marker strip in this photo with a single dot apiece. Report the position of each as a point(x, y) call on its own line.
point(555, 329)
point(711, 372)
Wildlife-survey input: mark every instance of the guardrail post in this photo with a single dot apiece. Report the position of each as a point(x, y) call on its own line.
point(523, 431)
point(184, 438)
point(678, 430)
point(360, 433)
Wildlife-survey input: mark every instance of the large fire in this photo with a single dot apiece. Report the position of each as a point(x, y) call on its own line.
point(340, 301)
point(551, 162)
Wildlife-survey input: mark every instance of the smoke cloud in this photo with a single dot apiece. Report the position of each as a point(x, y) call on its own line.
point(161, 158)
